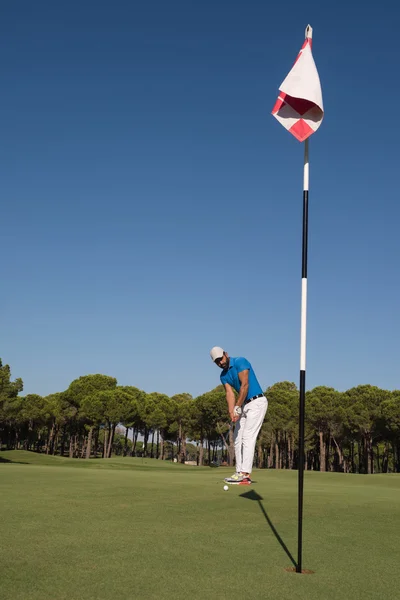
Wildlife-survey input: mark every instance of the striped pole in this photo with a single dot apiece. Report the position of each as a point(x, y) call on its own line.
point(299, 108)
point(303, 357)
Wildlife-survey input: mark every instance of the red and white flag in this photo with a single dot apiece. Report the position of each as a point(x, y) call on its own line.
point(299, 105)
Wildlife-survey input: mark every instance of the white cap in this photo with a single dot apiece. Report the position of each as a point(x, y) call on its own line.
point(216, 352)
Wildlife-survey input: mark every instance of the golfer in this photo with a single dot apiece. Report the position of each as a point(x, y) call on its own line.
point(247, 410)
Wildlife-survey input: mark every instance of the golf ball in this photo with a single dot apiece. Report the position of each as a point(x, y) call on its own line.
point(226, 487)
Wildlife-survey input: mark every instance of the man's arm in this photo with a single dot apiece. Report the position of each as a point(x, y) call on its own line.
point(244, 387)
point(230, 399)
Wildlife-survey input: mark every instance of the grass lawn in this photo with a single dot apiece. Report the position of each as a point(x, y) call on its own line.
point(129, 528)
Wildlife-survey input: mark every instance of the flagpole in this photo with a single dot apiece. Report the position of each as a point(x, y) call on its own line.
point(303, 330)
point(299, 108)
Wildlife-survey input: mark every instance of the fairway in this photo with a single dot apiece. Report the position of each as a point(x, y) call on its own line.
point(131, 528)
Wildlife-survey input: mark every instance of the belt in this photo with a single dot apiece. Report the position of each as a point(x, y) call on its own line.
point(254, 397)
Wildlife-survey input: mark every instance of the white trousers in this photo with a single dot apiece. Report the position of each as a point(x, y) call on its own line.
point(246, 432)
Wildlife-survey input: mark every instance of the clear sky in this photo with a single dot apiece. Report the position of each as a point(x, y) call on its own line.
point(151, 205)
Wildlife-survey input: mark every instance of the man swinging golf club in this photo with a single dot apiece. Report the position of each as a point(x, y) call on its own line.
point(247, 410)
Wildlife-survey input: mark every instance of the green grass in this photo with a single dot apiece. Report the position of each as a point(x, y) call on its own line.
point(131, 528)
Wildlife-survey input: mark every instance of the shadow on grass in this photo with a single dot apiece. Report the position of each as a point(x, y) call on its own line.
point(15, 462)
point(252, 495)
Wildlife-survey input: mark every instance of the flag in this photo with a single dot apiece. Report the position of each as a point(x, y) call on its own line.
point(299, 105)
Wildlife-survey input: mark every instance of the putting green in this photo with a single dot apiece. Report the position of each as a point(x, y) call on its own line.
point(131, 528)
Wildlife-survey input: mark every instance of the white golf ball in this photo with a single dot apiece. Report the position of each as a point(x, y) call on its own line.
point(226, 488)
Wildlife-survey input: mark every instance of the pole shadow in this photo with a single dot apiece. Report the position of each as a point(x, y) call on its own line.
point(252, 495)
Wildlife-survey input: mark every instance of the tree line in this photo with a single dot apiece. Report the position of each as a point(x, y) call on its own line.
point(356, 431)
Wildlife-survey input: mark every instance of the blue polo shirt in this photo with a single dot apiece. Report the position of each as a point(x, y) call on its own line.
point(231, 376)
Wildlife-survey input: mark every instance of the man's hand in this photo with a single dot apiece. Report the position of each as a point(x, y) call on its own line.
point(236, 413)
point(230, 398)
point(234, 416)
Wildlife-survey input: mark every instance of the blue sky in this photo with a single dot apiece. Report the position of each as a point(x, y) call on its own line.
point(151, 205)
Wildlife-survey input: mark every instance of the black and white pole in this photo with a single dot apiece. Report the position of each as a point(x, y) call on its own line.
point(303, 358)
